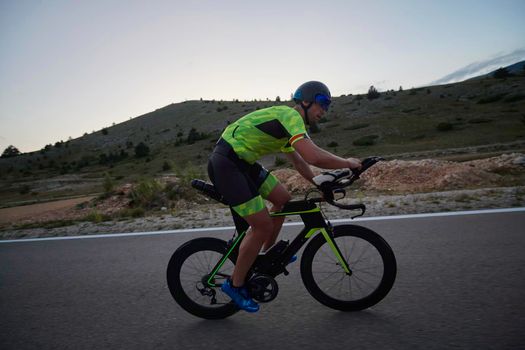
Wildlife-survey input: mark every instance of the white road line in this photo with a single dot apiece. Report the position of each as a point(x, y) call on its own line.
point(377, 218)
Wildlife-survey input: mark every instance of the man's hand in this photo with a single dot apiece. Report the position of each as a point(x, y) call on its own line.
point(354, 163)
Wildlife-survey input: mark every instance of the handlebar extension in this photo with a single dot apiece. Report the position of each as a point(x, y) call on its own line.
point(335, 181)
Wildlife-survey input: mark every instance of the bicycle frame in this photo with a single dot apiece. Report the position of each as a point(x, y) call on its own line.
point(314, 222)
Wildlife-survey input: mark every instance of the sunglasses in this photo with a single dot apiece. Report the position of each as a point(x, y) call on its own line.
point(323, 101)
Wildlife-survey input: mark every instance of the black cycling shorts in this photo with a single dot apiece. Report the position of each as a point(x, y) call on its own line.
point(242, 184)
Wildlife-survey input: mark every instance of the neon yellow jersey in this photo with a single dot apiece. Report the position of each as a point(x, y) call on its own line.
point(268, 130)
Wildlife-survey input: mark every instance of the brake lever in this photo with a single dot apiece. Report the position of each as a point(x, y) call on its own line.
point(342, 191)
point(363, 209)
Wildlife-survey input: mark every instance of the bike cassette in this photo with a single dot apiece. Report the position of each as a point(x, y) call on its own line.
point(263, 288)
point(206, 291)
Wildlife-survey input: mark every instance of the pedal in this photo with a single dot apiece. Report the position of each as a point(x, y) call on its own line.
point(285, 271)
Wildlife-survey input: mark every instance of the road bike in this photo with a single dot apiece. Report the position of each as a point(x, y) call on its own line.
point(345, 267)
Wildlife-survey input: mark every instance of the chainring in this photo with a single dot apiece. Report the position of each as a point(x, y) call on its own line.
point(263, 288)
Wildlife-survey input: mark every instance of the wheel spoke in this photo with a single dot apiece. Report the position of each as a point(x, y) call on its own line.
point(327, 277)
point(364, 282)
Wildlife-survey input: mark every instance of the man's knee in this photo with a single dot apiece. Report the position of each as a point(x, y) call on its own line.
point(261, 224)
point(279, 197)
point(282, 200)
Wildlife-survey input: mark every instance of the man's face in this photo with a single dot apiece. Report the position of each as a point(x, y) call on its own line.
point(315, 113)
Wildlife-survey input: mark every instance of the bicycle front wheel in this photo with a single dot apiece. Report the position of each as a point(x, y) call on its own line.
point(371, 261)
point(188, 272)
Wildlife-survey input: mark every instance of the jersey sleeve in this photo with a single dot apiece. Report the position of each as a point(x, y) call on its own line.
point(294, 124)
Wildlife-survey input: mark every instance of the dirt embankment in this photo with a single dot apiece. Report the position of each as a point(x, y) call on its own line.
point(427, 175)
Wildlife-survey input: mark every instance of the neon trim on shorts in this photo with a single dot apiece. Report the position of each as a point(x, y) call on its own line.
point(268, 185)
point(250, 207)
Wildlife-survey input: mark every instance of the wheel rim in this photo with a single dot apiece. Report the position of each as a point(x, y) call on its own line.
point(366, 265)
point(195, 269)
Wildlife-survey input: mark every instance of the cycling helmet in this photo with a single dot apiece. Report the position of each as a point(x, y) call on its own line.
point(308, 91)
point(312, 91)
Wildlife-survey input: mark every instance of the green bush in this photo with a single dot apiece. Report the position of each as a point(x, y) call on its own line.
point(166, 166)
point(132, 213)
point(372, 93)
point(368, 140)
point(479, 121)
point(181, 189)
point(445, 126)
point(108, 184)
point(188, 173)
point(141, 150)
point(96, 217)
point(148, 193)
point(175, 191)
point(24, 189)
point(418, 137)
point(356, 126)
point(10, 151)
point(501, 73)
point(492, 99)
point(335, 125)
point(194, 136)
point(514, 98)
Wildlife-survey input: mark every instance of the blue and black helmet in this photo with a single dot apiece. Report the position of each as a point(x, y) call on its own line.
point(313, 91)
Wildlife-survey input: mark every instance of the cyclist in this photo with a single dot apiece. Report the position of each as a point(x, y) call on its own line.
point(243, 182)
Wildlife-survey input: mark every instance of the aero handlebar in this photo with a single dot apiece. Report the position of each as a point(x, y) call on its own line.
point(332, 182)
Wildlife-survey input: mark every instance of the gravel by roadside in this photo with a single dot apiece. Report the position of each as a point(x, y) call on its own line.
point(214, 215)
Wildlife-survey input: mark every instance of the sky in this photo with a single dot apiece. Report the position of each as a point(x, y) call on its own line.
point(70, 67)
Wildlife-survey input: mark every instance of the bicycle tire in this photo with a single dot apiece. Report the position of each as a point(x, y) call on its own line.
point(367, 238)
point(177, 278)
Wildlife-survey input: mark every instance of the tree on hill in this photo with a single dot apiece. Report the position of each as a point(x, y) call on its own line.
point(141, 150)
point(502, 73)
point(10, 151)
point(194, 136)
point(372, 93)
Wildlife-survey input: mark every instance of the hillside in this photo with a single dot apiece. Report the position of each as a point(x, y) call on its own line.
point(471, 119)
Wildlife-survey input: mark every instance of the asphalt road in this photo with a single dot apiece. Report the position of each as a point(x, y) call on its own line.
point(460, 284)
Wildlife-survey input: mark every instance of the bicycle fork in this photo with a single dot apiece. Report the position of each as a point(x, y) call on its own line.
point(333, 246)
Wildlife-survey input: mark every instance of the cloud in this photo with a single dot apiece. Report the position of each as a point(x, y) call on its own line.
point(483, 67)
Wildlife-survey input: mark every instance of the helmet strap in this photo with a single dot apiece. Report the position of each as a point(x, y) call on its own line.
point(305, 109)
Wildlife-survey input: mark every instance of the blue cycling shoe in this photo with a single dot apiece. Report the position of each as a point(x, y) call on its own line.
point(240, 297)
point(293, 259)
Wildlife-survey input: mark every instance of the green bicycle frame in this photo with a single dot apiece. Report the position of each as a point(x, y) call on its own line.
point(314, 222)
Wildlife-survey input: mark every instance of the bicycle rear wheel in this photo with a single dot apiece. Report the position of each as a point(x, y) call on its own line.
point(188, 272)
point(371, 261)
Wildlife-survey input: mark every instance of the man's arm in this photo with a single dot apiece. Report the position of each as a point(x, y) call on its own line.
point(301, 166)
point(314, 155)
